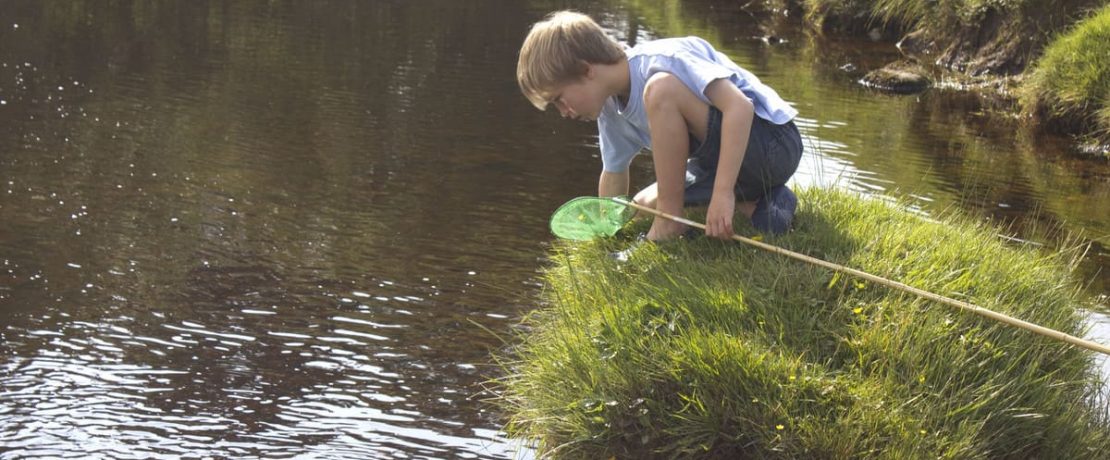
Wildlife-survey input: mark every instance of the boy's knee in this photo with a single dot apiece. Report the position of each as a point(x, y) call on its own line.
point(646, 197)
point(665, 94)
point(663, 91)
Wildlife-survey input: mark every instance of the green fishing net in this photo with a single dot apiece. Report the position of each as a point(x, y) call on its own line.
point(589, 217)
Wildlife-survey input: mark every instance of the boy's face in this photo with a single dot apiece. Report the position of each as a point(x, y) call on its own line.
point(581, 100)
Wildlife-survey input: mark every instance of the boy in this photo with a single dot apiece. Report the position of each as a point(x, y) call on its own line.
point(717, 134)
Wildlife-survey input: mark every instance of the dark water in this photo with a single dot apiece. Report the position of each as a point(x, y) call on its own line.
point(299, 229)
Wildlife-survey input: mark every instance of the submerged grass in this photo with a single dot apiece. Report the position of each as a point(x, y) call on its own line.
point(711, 349)
point(1072, 79)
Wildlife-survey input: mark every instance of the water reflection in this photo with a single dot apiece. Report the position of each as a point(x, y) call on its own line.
point(247, 229)
point(258, 229)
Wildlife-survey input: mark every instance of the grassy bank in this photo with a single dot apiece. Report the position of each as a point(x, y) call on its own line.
point(999, 38)
point(711, 349)
point(1072, 80)
point(978, 37)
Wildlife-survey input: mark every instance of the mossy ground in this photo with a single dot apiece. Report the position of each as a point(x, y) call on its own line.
point(712, 349)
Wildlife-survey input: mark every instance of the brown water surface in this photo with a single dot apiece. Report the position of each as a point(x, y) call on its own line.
point(277, 229)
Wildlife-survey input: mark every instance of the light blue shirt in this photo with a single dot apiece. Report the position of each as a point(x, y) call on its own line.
point(623, 131)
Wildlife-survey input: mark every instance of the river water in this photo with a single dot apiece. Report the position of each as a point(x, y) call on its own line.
point(301, 229)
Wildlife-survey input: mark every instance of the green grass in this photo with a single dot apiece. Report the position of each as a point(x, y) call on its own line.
point(711, 349)
point(941, 14)
point(947, 13)
point(1057, 44)
point(1072, 79)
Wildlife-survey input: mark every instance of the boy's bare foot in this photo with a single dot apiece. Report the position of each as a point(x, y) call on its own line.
point(663, 229)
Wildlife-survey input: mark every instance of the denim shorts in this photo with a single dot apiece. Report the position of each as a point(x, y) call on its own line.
point(773, 154)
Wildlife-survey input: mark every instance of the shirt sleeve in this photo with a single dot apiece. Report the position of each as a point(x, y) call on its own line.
point(697, 72)
point(698, 64)
point(617, 150)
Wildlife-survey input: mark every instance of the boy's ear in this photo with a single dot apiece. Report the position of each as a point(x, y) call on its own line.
point(587, 69)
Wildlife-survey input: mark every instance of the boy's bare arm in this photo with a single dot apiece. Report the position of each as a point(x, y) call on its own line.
point(737, 113)
point(612, 184)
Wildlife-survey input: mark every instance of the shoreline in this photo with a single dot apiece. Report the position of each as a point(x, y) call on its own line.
point(1024, 62)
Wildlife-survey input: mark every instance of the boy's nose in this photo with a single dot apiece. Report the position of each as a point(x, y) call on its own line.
point(565, 111)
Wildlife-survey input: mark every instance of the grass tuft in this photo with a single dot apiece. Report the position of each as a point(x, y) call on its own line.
point(1072, 79)
point(718, 350)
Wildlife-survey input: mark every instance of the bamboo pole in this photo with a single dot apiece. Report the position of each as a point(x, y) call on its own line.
point(1052, 333)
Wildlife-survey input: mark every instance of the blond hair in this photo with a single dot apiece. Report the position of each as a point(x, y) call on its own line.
point(556, 52)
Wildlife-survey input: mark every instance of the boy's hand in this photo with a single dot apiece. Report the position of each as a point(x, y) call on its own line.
point(718, 219)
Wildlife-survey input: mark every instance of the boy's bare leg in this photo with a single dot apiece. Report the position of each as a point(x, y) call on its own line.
point(670, 172)
point(666, 99)
point(674, 112)
point(648, 195)
point(646, 198)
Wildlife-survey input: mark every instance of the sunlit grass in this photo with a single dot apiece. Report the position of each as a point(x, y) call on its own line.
point(1068, 73)
point(712, 349)
point(1073, 76)
point(941, 14)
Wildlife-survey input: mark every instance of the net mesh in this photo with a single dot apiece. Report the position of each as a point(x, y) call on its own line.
point(589, 217)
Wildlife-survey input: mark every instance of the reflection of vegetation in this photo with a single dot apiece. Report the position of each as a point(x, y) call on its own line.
point(671, 18)
point(250, 155)
point(1072, 79)
point(686, 350)
point(212, 91)
point(718, 22)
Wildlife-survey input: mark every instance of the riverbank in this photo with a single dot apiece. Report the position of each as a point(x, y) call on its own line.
point(1047, 55)
point(710, 349)
point(1070, 84)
